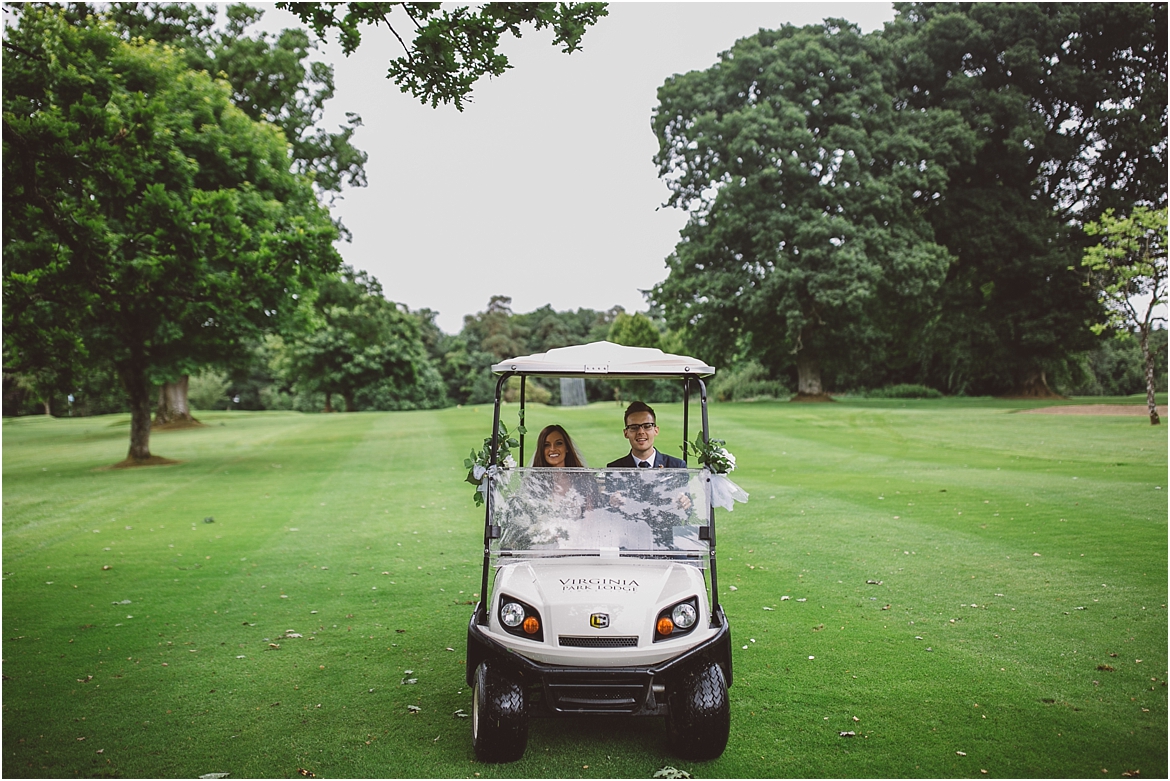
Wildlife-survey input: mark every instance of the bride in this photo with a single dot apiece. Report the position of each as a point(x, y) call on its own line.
point(554, 448)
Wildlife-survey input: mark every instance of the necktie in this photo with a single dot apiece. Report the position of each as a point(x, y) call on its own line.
point(643, 464)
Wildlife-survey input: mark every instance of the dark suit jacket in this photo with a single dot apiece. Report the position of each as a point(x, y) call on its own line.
point(661, 460)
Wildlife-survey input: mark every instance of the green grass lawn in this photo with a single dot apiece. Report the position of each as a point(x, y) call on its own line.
point(1015, 625)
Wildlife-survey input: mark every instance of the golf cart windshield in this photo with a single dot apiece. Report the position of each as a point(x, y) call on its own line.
point(643, 512)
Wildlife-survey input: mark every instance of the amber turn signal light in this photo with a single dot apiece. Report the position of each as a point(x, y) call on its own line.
point(665, 626)
point(531, 625)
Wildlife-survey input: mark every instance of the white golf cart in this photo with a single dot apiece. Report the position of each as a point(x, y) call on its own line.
point(599, 593)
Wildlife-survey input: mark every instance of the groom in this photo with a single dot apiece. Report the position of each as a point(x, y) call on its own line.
point(641, 430)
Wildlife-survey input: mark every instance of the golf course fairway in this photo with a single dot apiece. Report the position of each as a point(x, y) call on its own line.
point(935, 588)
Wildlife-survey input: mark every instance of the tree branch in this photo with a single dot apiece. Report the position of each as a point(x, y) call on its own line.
point(20, 50)
point(406, 8)
point(78, 248)
point(389, 26)
point(29, 165)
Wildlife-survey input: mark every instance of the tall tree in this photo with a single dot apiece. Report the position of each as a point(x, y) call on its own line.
point(807, 189)
point(1127, 269)
point(547, 328)
point(146, 217)
point(356, 339)
point(636, 330)
point(496, 330)
point(1067, 102)
point(272, 81)
point(450, 47)
point(487, 337)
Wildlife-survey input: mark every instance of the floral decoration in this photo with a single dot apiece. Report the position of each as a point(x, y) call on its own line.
point(478, 464)
point(713, 455)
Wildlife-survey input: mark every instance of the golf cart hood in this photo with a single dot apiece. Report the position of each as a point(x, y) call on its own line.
point(572, 589)
point(585, 608)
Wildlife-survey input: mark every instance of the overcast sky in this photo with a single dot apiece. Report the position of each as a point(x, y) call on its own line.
point(544, 187)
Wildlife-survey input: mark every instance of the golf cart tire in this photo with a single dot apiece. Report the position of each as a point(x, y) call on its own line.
point(699, 718)
point(499, 722)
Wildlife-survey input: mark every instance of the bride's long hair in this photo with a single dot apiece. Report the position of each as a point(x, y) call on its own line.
point(572, 457)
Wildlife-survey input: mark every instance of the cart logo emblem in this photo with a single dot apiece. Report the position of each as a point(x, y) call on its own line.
point(599, 620)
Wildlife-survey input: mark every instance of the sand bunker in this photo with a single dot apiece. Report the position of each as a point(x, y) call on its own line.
point(1097, 409)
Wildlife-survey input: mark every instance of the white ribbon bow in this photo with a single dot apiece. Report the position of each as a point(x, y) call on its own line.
point(725, 493)
point(478, 472)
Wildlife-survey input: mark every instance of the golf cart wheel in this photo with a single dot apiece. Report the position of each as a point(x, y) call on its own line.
point(499, 724)
point(699, 717)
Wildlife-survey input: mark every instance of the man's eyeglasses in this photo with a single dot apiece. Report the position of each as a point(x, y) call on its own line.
point(633, 428)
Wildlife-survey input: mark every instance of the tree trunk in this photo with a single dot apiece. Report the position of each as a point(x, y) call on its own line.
point(1035, 386)
point(808, 375)
point(172, 403)
point(348, 396)
point(1151, 402)
point(48, 409)
point(138, 391)
point(328, 401)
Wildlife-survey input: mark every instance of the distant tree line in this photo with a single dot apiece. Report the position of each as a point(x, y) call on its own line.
point(355, 350)
point(350, 349)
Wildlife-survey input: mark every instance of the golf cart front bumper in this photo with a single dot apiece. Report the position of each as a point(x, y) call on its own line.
point(627, 691)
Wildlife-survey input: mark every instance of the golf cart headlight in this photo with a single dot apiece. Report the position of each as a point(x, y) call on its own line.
point(512, 614)
point(678, 619)
point(520, 619)
point(684, 615)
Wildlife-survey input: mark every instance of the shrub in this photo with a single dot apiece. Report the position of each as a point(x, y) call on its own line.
point(207, 390)
point(1116, 367)
point(904, 391)
point(749, 381)
point(534, 392)
point(273, 397)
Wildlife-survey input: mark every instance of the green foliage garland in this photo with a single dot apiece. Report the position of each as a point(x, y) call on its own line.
point(713, 455)
point(479, 463)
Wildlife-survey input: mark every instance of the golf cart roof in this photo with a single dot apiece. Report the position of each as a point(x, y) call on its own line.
point(606, 359)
